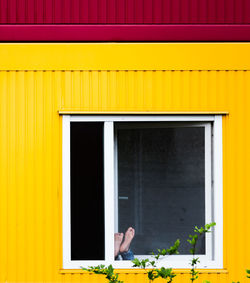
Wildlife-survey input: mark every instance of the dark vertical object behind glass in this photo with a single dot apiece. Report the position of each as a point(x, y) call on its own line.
point(87, 191)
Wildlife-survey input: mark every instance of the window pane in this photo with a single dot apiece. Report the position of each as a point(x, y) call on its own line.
point(87, 191)
point(161, 185)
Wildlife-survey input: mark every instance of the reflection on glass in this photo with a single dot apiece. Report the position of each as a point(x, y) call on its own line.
point(161, 185)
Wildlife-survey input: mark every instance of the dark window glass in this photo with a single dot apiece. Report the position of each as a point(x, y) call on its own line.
point(87, 191)
point(161, 185)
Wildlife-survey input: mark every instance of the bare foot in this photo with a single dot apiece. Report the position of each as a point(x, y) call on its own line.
point(118, 240)
point(129, 235)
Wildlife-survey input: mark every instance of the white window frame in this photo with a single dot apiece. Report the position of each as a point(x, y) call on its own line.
point(213, 188)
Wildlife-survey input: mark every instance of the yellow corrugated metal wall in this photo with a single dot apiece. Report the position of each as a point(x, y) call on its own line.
point(31, 158)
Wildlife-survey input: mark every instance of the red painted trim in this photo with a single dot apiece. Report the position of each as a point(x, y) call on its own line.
point(134, 33)
point(124, 12)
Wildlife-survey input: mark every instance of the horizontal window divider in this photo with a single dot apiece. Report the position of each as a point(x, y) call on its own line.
point(201, 117)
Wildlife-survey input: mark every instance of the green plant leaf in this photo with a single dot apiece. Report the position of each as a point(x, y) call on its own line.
point(136, 262)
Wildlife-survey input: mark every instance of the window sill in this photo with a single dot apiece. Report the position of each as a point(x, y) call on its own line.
point(134, 271)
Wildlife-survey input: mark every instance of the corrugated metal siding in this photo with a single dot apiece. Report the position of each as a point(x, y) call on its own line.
point(125, 11)
point(30, 163)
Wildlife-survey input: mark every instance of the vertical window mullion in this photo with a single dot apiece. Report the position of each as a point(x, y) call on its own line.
point(218, 189)
point(208, 187)
point(109, 190)
point(116, 207)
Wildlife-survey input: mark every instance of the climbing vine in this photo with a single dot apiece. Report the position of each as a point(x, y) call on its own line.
point(150, 266)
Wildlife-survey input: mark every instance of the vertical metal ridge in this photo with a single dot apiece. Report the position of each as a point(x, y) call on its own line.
point(124, 12)
point(246, 13)
point(39, 177)
point(3, 177)
point(240, 183)
point(20, 175)
point(247, 142)
point(232, 195)
point(239, 173)
point(11, 196)
point(29, 101)
point(30, 164)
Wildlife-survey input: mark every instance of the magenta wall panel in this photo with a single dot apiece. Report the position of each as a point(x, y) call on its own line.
point(124, 11)
point(138, 33)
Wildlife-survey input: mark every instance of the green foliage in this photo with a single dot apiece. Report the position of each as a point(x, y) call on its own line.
point(107, 271)
point(193, 239)
point(206, 229)
point(153, 272)
point(164, 273)
point(170, 251)
point(248, 273)
point(194, 274)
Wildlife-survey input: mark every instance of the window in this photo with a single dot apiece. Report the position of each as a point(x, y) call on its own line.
point(161, 175)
